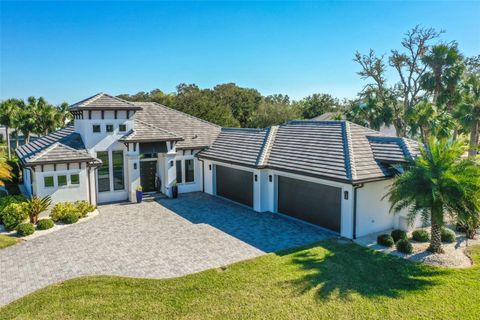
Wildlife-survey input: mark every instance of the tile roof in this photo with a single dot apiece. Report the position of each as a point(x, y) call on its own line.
point(196, 133)
point(335, 150)
point(61, 146)
point(145, 132)
point(238, 146)
point(103, 101)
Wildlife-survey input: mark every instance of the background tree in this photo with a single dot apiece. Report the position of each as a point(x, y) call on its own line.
point(410, 69)
point(5, 170)
point(436, 183)
point(317, 104)
point(274, 110)
point(9, 110)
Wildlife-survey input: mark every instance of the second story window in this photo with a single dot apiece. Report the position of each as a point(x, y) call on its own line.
point(96, 128)
point(122, 128)
point(109, 128)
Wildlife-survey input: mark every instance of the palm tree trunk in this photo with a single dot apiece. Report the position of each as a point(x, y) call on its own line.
point(472, 150)
point(8, 143)
point(436, 240)
point(17, 139)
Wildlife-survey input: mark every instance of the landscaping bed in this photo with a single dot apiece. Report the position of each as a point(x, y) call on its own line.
point(455, 253)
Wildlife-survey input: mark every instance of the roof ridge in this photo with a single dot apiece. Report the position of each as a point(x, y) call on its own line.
point(348, 151)
point(177, 111)
point(117, 98)
point(317, 122)
point(267, 146)
point(245, 129)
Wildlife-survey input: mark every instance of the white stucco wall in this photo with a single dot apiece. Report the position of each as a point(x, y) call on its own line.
point(69, 192)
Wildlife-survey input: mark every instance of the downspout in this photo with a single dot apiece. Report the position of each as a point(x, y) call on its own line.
point(355, 188)
point(203, 174)
point(89, 186)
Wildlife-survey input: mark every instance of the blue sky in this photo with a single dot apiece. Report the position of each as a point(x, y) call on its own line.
point(66, 51)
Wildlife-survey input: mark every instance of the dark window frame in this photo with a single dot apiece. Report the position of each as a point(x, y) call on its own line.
point(107, 126)
point(101, 171)
point(189, 174)
point(178, 168)
point(96, 126)
point(118, 172)
point(45, 182)
point(63, 184)
point(78, 179)
point(122, 128)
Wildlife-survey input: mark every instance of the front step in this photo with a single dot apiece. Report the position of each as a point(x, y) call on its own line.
point(148, 197)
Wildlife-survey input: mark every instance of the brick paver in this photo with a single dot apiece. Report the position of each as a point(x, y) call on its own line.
point(168, 238)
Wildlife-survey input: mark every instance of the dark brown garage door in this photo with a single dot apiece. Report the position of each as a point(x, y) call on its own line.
point(236, 185)
point(316, 203)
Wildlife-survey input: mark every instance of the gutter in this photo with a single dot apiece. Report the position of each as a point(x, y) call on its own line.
point(355, 188)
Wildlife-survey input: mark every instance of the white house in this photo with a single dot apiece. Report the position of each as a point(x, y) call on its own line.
point(113, 147)
point(330, 173)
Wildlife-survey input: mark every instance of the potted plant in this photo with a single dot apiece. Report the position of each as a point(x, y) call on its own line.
point(139, 194)
point(174, 190)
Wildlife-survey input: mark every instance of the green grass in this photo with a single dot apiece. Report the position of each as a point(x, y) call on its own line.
point(6, 241)
point(325, 281)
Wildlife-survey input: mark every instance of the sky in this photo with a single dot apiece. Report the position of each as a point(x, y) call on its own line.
point(67, 51)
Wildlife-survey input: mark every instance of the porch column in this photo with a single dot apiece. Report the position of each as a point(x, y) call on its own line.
point(171, 173)
point(133, 171)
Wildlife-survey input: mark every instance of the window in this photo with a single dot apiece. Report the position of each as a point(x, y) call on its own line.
point(62, 180)
point(103, 172)
point(48, 181)
point(109, 127)
point(117, 161)
point(189, 171)
point(74, 179)
point(178, 165)
point(96, 128)
point(122, 128)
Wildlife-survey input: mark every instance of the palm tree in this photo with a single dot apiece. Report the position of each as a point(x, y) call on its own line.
point(35, 206)
point(439, 181)
point(429, 119)
point(63, 115)
point(5, 170)
point(468, 112)
point(9, 110)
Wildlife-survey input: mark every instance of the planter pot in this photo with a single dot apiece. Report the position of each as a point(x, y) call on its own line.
point(174, 192)
point(139, 195)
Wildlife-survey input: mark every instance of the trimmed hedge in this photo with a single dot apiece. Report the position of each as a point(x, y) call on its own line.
point(45, 224)
point(25, 229)
point(398, 234)
point(385, 240)
point(13, 215)
point(70, 218)
point(421, 235)
point(448, 235)
point(84, 207)
point(61, 209)
point(404, 246)
point(5, 201)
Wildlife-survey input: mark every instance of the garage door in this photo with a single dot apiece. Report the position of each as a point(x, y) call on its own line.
point(315, 203)
point(234, 184)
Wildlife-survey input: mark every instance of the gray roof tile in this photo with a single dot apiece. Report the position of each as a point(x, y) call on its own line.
point(145, 132)
point(61, 146)
point(196, 133)
point(336, 150)
point(103, 101)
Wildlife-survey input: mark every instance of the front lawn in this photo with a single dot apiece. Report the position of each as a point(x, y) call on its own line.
point(6, 241)
point(325, 281)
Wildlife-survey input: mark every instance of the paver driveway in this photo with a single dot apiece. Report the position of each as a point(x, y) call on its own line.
point(170, 238)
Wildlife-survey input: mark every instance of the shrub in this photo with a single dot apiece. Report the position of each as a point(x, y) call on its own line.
point(13, 215)
point(61, 209)
point(84, 208)
point(398, 234)
point(448, 235)
point(421, 235)
point(468, 224)
point(25, 229)
point(5, 201)
point(385, 240)
point(70, 218)
point(404, 246)
point(45, 224)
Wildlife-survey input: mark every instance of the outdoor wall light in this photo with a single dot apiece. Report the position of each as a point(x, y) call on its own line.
point(135, 166)
point(256, 178)
point(210, 167)
point(345, 195)
point(270, 178)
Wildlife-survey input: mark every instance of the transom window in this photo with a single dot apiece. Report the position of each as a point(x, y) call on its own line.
point(48, 182)
point(109, 127)
point(96, 128)
point(74, 179)
point(62, 180)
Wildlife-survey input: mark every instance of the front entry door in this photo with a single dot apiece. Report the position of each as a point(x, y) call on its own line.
point(148, 174)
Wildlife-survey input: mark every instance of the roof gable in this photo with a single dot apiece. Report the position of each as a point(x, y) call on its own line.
point(103, 101)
